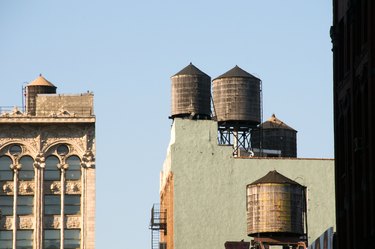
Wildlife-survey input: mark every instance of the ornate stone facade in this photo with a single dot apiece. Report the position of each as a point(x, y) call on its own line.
point(65, 199)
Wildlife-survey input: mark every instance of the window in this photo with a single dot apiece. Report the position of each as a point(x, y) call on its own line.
point(52, 204)
point(51, 239)
point(62, 150)
point(27, 168)
point(24, 239)
point(72, 204)
point(6, 205)
point(51, 172)
point(25, 205)
point(6, 173)
point(15, 150)
point(72, 239)
point(6, 238)
point(74, 169)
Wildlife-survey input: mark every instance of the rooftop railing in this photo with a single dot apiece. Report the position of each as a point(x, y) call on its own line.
point(6, 111)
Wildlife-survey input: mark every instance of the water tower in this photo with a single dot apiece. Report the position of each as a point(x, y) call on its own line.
point(237, 107)
point(278, 139)
point(191, 94)
point(39, 86)
point(276, 212)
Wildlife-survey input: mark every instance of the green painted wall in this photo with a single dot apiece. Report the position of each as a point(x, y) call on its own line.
point(210, 187)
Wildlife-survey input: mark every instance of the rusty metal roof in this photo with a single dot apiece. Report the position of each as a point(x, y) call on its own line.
point(274, 177)
point(190, 70)
point(236, 72)
point(41, 81)
point(274, 123)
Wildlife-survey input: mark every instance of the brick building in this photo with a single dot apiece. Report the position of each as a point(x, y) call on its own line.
point(353, 39)
point(47, 170)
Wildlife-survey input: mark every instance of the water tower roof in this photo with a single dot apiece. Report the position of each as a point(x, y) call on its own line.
point(236, 72)
point(41, 81)
point(275, 177)
point(190, 70)
point(274, 123)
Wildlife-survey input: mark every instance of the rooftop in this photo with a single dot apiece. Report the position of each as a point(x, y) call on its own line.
point(190, 70)
point(274, 177)
point(41, 81)
point(236, 72)
point(274, 123)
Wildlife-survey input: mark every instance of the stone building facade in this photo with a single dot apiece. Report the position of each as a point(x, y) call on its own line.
point(47, 171)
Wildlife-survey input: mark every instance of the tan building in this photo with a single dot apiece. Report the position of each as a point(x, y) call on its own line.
point(47, 170)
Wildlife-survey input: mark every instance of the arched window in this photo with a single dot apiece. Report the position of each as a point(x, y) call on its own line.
point(25, 203)
point(74, 168)
point(73, 201)
point(51, 172)
point(52, 202)
point(55, 195)
point(6, 174)
point(27, 168)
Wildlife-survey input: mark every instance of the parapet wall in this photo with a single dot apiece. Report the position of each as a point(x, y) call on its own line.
point(59, 104)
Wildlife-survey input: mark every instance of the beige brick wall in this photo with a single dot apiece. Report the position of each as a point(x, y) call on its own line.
point(50, 104)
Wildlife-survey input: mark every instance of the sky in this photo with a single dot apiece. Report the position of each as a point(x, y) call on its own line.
point(126, 51)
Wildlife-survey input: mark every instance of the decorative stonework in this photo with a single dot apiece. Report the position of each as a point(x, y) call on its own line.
point(15, 166)
point(26, 222)
point(73, 222)
point(52, 222)
point(6, 223)
point(8, 188)
point(55, 187)
point(39, 138)
point(62, 113)
point(37, 142)
point(73, 187)
point(26, 188)
point(39, 161)
point(14, 113)
point(88, 159)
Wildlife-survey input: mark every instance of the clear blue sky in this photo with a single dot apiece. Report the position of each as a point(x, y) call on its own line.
point(126, 51)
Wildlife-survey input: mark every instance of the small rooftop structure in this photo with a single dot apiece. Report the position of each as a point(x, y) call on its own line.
point(43, 105)
point(41, 81)
point(275, 135)
point(191, 94)
point(274, 123)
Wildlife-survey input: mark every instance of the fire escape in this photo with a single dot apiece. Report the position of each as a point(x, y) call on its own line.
point(158, 224)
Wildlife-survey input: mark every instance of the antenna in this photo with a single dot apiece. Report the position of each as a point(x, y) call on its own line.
point(23, 94)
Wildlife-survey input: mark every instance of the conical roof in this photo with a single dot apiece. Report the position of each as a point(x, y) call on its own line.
point(274, 123)
point(274, 177)
point(41, 81)
point(236, 72)
point(190, 70)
